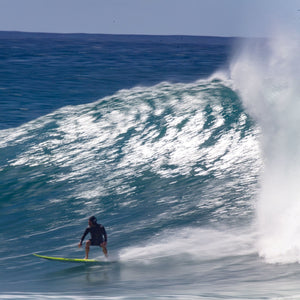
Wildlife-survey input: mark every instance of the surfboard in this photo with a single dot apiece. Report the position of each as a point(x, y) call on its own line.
point(74, 260)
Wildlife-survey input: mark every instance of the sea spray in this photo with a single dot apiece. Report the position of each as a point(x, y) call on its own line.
point(266, 74)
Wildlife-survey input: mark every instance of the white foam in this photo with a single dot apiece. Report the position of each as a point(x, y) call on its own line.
point(195, 243)
point(267, 77)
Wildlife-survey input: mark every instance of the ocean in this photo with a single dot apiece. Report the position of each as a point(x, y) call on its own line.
point(185, 148)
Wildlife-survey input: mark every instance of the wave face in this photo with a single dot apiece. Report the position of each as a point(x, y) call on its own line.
point(267, 77)
point(151, 162)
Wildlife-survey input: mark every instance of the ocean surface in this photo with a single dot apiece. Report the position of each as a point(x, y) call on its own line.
point(185, 148)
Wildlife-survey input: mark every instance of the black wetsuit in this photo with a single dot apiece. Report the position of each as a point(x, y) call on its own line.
point(98, 235)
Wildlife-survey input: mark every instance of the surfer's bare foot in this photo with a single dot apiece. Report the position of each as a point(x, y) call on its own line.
point(86, 258)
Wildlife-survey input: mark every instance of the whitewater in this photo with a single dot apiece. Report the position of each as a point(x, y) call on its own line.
point(188, 156)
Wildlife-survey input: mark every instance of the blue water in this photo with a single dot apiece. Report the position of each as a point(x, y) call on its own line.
point(152, 135)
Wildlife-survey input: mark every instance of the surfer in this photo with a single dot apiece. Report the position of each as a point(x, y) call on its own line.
point(98, 237)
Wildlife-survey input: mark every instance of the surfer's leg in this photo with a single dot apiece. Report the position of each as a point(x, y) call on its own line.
point(87, 249)
point(104, 250)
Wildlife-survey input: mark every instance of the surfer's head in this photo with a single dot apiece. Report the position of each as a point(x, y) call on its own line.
point(92, 220)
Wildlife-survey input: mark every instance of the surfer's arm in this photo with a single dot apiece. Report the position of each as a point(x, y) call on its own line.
point(83, 236)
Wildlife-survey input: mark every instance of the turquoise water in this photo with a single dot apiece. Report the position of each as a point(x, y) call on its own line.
point(154, 137)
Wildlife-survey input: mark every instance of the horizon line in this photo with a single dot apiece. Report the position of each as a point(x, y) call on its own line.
point(128, 34)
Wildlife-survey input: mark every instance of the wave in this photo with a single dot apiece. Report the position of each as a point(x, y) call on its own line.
point(147, 160)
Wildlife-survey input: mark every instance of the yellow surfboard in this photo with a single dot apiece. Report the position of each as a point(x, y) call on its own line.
point(76, 260)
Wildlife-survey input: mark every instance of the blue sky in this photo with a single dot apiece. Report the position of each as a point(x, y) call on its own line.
point(184, 17)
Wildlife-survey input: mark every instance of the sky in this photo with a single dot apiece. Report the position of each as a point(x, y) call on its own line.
point(247, 18)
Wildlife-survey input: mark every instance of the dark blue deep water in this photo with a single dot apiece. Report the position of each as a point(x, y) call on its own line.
point(150, 135)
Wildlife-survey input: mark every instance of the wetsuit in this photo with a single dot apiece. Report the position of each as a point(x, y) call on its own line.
point(98, 235)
